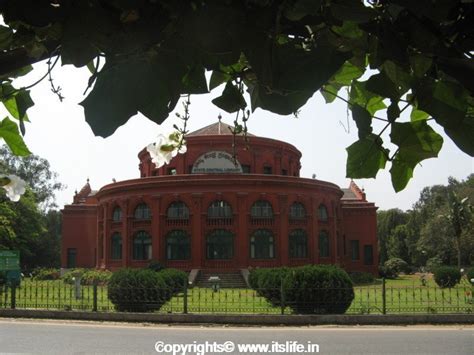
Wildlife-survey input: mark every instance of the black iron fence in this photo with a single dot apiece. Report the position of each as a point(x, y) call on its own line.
point(372, 299)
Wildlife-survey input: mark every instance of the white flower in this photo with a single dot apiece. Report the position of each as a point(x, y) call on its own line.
point(166, 148)
point(15, 188)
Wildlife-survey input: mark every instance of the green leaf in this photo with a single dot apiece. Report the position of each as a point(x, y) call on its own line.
point(218, 78)
point(354, 11)
point(380, 84)
point(348, 29)
point(399, 77)
point(363, 120)
point(420, 64)
point(418, 115)
point(301, 8)
point(416, 141)
point(329, 92)
point(463, 134)
point(393, 112)
point(365, 157)
point(361, 96)
point(10, 133)
point(194, 82)
point(346, 74)
point(150, 86)
point(6, 36)
point(18, 102)
point(445, 101)
point(231, 99)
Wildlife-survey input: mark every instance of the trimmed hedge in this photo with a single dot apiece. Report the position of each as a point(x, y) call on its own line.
point(42, 274)
point(143, 290)
point(312, 289)
point(447, 276)
point(393, 267)
point(88, 276)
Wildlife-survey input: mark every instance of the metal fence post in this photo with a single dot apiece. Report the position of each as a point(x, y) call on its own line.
point(13, 296)
point(94, 296)
point(384, 297)
point(185, 297)
point(282, 298)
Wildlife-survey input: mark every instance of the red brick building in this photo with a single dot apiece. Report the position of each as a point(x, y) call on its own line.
point(206, 210)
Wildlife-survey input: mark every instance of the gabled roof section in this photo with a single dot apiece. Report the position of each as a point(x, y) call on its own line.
point(216, 129)
point(353, 193)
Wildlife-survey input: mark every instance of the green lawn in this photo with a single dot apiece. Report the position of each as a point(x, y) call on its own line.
point(403, 295)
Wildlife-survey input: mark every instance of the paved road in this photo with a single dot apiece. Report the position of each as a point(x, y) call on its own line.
point(53, 337)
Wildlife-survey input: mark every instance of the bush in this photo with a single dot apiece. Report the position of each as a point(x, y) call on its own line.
point(361, 277)
point(269, 283)
point(138, 290)
point(433, 263)
point(393, 267)
point(447, 276)
point(41, 274)
point(318, 289)
point(88, 276)
point(470, 274)
point(174, 279)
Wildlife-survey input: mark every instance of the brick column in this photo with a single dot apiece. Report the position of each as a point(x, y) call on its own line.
point(126, 219)
point(106, 234)
point(315, 237)
point(196, 232)
point(156, 238)
point(241, 253)
point(283, 245)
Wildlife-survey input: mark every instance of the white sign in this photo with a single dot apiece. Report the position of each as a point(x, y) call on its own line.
point(216, 162)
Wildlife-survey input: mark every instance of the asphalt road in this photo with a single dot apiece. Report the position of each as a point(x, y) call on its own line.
point(53, 337)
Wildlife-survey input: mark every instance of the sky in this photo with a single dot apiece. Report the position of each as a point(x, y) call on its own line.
point(59, 133)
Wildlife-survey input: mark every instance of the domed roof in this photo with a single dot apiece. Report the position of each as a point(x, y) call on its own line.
point(216, 129)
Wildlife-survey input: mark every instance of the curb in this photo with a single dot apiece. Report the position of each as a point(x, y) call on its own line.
point(251, 319)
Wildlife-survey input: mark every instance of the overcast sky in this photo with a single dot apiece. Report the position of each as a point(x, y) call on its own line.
point(59, 133)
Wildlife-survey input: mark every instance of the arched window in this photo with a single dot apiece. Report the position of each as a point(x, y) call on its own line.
point(261, 209)
point(178, 210)
point(116, 247)
point(142, 211)
point(262, 244)
point(324, 244)
point(298, 244)
point(219, 209)
point(178, 245)
point(220, 244)
point(297, 211)
point(117, 214)
point(323, 213)
point(142, 246)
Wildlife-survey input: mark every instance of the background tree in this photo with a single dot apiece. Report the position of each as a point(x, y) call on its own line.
point(269, 54)
point(387, 221)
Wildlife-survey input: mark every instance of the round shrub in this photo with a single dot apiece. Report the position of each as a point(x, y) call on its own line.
point(270, 282)
point(318, 289)
point(137, 290)
point(433, 263)
point(447, 276)
point(393, 267)
point(174, 279)
point(360, 278)
point(91, 276)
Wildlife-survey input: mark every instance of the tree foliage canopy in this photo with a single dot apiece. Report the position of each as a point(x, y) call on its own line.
point(269, 54)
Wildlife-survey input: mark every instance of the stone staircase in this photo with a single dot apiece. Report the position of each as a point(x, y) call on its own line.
point(227, 279)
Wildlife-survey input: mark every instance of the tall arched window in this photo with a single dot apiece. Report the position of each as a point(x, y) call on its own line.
point(323, 213)
point(220, 244)
point(142, 246)
point(219, 209)
point(324, 244)
point(177, 210)
point(117, 214)
point(298, 244)
point(142, 211)
point(262, 244)
point(297, 211)
point(261, 209)
point(116, 247)
point(178, 245)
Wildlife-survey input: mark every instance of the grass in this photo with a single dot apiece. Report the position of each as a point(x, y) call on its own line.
point(405, 294)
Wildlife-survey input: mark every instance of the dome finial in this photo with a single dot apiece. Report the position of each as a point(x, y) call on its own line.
point(219, 117)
